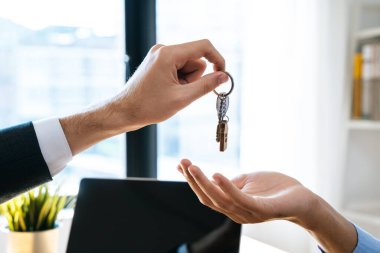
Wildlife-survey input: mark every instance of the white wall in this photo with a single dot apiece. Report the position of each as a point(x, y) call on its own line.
point(292, 111)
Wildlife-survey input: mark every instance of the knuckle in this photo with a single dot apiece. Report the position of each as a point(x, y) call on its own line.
point(156, 47)
point(223, 61)
point(164, 54)
point(206, 41)
point(163, 51)
point(160, 55)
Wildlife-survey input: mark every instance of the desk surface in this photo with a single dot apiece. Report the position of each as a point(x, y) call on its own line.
point(249, 245)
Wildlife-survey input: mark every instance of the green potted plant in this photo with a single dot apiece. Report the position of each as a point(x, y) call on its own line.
point(32, 221)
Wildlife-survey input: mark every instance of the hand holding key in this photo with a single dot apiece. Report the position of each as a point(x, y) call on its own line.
point(170, 78)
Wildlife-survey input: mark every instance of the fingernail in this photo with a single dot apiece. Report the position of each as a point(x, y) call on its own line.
point(222, 78)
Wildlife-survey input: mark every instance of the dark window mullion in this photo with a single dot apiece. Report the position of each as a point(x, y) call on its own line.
point(140, 36)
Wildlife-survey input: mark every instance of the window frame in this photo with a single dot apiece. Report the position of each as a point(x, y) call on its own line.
point(140, 36)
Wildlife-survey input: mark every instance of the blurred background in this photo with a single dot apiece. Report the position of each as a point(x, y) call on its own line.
point(297, 107)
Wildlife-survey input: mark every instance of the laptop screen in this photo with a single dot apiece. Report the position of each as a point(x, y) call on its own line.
point(146, 216)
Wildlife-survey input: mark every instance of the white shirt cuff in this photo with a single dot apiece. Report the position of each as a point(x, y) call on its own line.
point(53, 144)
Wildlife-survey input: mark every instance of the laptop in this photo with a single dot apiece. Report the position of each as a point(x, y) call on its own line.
point(147, 216)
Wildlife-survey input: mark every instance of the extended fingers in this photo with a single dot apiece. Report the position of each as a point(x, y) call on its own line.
point(183, 168)
point(219, 201)
point(209, 189)
point(210, 195)
point(231, 190)
point(240, 180)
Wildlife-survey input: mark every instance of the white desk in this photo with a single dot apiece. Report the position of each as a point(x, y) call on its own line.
point(249, 245)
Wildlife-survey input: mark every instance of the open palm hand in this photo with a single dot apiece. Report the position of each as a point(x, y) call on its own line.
point(250, 198)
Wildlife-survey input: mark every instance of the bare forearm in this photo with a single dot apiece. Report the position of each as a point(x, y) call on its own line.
point(84, 129)
point(334, 233)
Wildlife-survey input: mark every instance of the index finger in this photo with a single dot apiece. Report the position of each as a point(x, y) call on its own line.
point(182, 167)
point(231, 190)
point(196, 50)
point(214, 193)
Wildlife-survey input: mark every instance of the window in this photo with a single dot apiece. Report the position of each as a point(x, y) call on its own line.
point(57, 57)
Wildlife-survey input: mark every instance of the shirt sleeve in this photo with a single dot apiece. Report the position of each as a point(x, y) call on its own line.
point(366, 242)
point(53, 144)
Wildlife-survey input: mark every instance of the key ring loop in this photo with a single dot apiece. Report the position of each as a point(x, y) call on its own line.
point(232, 86)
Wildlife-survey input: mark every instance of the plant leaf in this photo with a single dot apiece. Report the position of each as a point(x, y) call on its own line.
point(51, 218)
point(10, 221)
point(43, 213)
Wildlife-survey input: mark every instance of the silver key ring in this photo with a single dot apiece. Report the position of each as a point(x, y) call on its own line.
point(232, 85)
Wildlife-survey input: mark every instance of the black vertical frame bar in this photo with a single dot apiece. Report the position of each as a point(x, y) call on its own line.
point(140, 36)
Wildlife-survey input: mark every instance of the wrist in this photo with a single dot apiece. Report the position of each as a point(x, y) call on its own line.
point(333, 232)
point(310, 218)
point(87, 128)
point(120, 117)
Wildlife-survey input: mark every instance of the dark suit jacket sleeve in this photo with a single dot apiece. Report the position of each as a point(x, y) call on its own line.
point(22, 165)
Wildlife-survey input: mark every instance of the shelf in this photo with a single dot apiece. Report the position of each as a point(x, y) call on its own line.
point(364, 125)
point(368, 34)
point(365, 215)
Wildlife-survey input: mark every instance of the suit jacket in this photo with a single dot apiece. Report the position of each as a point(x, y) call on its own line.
point(22, 165)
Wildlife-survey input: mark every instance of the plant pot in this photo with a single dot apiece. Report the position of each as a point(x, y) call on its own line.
point(32, 242)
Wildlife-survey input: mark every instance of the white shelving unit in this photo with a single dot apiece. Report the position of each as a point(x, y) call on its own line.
point(361, 188)
point(367, 34)
point(363, 125)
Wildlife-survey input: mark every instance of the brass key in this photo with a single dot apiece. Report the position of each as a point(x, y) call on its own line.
point(222, 135)
point(218, 133)
point(222, 104)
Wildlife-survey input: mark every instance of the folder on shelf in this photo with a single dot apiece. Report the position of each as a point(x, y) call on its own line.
point(357, 89)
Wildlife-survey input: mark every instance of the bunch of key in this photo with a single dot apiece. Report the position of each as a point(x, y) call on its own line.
point(222, 103)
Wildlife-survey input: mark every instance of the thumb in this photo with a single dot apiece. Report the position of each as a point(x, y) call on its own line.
point(205, 84)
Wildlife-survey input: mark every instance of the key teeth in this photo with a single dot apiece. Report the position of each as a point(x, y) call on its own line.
point(223, 135)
